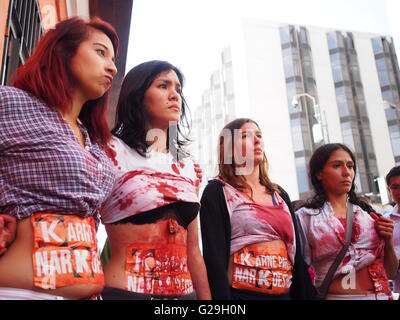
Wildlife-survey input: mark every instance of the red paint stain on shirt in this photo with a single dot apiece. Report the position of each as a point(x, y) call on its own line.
point(169, 192)
point(112, 155)
point(175, 168)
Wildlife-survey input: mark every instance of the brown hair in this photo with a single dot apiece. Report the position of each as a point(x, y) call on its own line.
point(226, 171)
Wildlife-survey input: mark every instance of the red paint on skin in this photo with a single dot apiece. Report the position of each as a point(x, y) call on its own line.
point(111, 154)
point(175, 168)
point(182, 165)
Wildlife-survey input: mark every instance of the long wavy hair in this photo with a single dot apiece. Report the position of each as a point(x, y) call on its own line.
point(47, 73)
point(131, 117)
point(226, 171)
point(317, 162)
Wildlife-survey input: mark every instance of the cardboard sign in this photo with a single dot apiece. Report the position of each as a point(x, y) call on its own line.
point(65, 251)
point(377, 273)
point(261, 269)
point(155, 268)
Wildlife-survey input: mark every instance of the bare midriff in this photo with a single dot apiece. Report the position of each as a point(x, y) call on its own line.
point(362, 284)
point(16, 267)
point(277, 244)
point(122, 236)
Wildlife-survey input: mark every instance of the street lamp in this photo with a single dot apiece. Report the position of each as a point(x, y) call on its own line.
point(321, 129)
point(388, 105)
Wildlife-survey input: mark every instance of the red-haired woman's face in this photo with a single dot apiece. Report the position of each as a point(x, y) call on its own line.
point(338, 173)
point(93, 66)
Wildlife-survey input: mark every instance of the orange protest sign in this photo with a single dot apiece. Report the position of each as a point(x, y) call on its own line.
point(65, 251)
point(262, 269)
point(160, 269)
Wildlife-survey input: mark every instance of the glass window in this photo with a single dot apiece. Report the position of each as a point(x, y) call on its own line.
point(337, 73)
point(302, 177)
point(297, 137)
point(396, 146)
point(289, 69)
point(287, 54)
point(387, 95)
point(377, 45)
point(349, 40)
point(303, 35)
point(335, 58)
point(332, 40)
point(381, 64)
point(285, 34)
point(383, 78)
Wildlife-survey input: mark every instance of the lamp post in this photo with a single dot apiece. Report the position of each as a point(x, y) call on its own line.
point(389, 105)
point(317, 115)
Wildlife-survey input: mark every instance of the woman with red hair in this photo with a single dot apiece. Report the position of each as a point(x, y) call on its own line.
point(54, 173)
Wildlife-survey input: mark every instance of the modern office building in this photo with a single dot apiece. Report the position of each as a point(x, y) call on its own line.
point(217, 109)
point(306, 86)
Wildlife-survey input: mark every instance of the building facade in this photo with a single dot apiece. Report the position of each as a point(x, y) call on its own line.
point(306, 86)
point(216, 110)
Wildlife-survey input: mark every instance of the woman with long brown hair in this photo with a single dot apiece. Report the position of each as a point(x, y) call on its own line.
point(369, 258)
point(54, 172)
point(151, 214)
point(250, 241)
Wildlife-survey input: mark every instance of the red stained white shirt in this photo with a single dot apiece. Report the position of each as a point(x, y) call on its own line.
point(323, 235)
point(147, 183)
point(253, 223)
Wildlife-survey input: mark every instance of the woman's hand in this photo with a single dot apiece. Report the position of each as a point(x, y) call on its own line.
point(8, 226)
point(199, 171)
point(384, 227)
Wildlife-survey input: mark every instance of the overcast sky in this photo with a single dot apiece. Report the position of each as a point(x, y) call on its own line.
point(192, 34)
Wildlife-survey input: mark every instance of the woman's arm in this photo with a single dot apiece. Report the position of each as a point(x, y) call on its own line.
point(384, 227)
point(196, 264)
point(8, 226)
point(215, 236)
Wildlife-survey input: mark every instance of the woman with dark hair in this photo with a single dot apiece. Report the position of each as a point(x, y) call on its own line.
point(250, 240)
point(151, 215)
point(54, 173)
point(370, 257)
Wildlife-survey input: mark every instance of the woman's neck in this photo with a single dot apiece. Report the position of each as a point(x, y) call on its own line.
point(253, 179)
point(157, 139)
point(338, 201)
point(71, 116)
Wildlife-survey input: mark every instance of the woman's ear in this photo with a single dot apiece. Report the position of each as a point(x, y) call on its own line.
point(319, 175)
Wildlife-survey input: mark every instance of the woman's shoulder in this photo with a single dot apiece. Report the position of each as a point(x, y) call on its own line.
point(304, 210)
point(10, 95)
point(213, 185)
point(6, 91)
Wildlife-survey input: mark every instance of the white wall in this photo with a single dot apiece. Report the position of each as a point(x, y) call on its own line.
point(78, 8)
point(373, 99)
point(268, 100)
point(324, 82)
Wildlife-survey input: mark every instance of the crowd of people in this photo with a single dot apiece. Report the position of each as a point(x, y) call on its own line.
point(63, 172)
